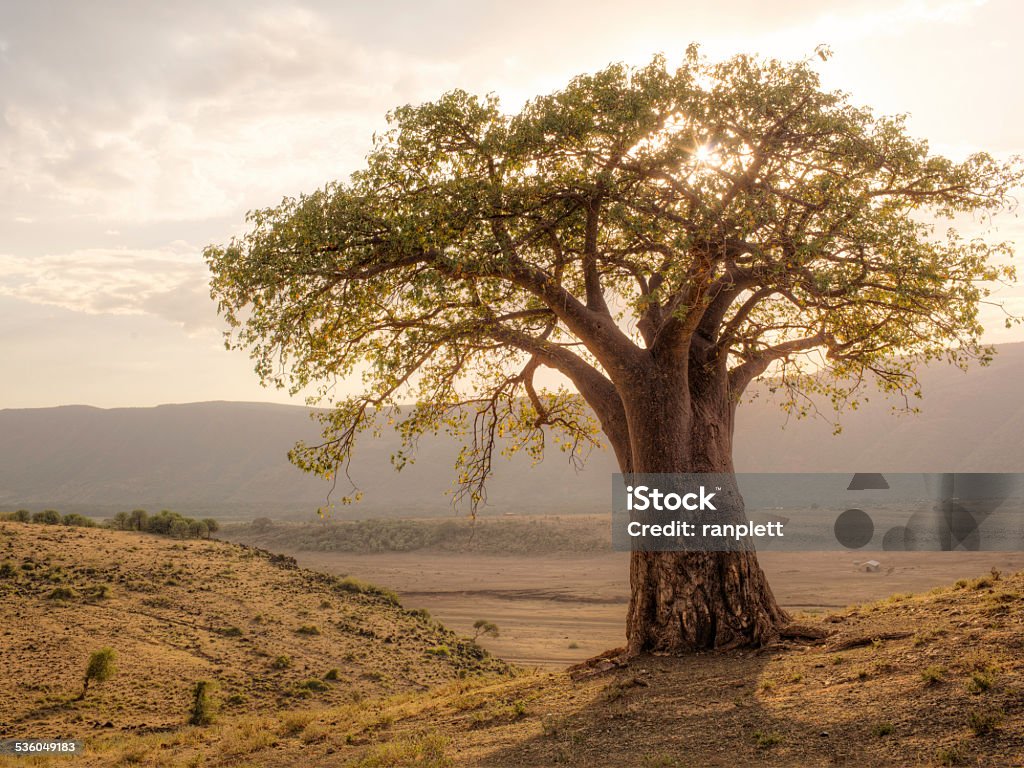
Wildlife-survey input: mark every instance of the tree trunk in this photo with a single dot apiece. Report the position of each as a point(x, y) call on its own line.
point(687, 601)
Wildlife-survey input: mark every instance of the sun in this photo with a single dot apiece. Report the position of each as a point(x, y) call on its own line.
point(705, 154)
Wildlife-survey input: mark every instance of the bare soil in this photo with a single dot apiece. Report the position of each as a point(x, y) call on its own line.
point(544, 604)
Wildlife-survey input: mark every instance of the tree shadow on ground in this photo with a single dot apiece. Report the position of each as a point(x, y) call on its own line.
point(779, 707)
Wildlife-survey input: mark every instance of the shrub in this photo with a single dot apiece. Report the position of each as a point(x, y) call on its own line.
point(308, 629)
point(980, 682)
point(281, 662)
point(984, 721)
point(99, 669)
point(933, 675)
point(312, 684)
point(332, 674)
point(99, 592)
point(212, 526)
point(766, 739)
point(47, 517)
point(203, 705)
point(62, 593)
point(949, 756)
point(349, 584)
point(884, 729)
point(7, 571)
point(22, 516)
point(78, 521)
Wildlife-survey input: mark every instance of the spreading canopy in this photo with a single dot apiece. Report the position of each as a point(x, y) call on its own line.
point(646, 220)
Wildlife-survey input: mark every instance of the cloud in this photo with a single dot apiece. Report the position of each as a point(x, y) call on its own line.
point(171, 283)
point(136, 124)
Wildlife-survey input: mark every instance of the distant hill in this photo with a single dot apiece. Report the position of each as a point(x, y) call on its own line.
point(230, 458)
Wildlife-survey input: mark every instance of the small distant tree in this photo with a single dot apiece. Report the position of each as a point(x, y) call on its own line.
point(198, 529)
point(204, 707)
point(179, 528)
point(162, 522)
point(138, 519)
point(212, 526)
point(122, 521)
point(22, 516)
point(99, 669)
point(47, 517)
point(484, 629)
point(78, 521)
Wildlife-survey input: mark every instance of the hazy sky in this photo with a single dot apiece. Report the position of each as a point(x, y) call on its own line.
point(134, 134)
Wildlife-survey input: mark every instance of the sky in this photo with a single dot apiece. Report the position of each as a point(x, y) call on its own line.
point(134, 134)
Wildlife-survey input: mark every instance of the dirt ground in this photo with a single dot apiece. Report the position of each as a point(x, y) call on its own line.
point(545, 605)
point(931, 679)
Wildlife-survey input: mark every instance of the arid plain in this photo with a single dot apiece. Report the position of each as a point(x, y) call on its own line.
point(554, 609)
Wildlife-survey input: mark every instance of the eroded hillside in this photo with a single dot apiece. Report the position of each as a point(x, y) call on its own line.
point(274, 637)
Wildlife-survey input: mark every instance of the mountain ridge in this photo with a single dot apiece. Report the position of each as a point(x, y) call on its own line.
point(229, 458)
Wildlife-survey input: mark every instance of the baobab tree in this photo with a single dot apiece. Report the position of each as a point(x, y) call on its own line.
point(660, 238)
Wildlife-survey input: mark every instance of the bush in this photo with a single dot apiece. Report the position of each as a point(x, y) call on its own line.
point(349, 584)
point(308, 629)
point(22, 516)
point(884, 729)
point(980, 682)
point(281, 662)
point(766, 739)
point(203, 706)
point(933, 675)
point(983, 722)
point(47, 517)
point(99, 592)
point(78, 521)
point(332, 674)
point(62, 593)
point(99, 669)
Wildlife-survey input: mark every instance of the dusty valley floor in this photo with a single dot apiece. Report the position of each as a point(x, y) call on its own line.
point(544, 604)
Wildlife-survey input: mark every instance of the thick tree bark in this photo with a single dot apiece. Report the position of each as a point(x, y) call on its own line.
point(687, 601)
